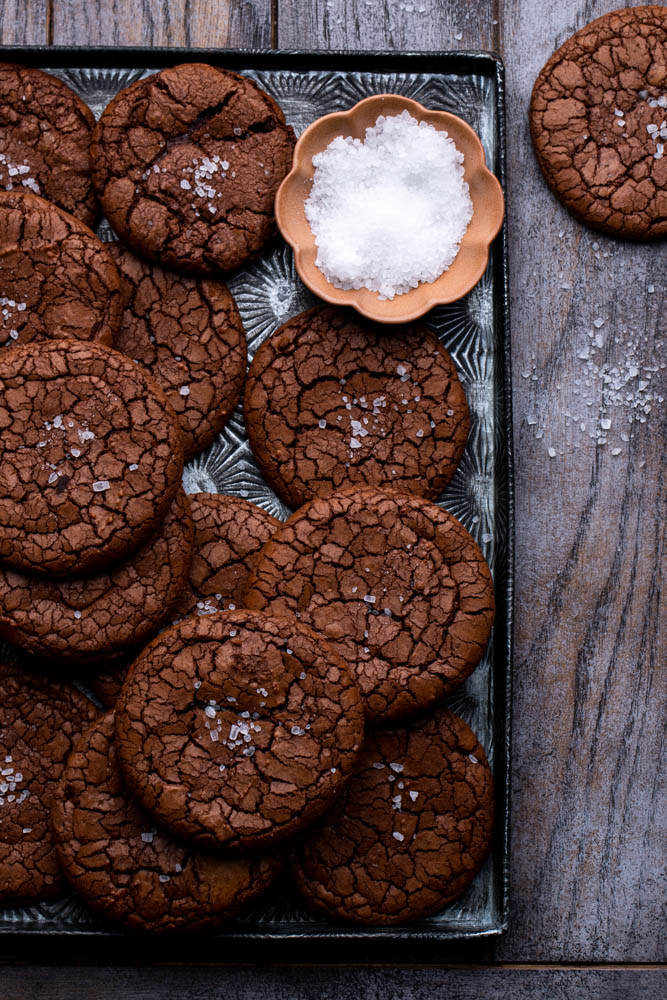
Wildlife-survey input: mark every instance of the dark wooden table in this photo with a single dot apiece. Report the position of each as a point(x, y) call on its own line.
point(588, 799)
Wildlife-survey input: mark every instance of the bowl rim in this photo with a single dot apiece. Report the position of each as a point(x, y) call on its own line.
point(301, 171)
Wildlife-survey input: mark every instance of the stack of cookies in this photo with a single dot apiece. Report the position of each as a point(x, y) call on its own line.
point(273, 690)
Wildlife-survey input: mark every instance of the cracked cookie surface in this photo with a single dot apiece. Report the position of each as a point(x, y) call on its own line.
point(598, 120)
point(228, 536)
point(410, 829)
point(101, 615)
point(187, 163)
point(123, 866)
point(333, 401)
point(45, 135)
point(237, 730)
point(56, 278)
point(188, 333)
point(394, 583)
point(90, 457)
point(40, 720)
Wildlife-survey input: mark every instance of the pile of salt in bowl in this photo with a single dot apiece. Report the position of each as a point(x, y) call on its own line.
point(388, 212)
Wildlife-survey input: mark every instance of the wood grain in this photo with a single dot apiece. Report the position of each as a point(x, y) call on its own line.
point(589, 698)
point(400, 25)
point(222, 23)
point(375, 983)
point(25, 22)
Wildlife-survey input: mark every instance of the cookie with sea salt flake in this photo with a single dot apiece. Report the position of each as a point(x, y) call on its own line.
point(228, 536)
point(394, 583)
point(332, 400)
point(77, 619)
point(187, 163)
point(123, 866)
point(90, 457)
point(45, 135)
point(409, 831)
point(56, 278)
point(237, 730)
point(40, 721)
point(598, 119)
point(188, 333)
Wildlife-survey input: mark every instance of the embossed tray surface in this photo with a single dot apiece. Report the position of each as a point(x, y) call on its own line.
point(476, 332)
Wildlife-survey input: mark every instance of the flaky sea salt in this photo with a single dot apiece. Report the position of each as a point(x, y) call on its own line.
point(389, 212)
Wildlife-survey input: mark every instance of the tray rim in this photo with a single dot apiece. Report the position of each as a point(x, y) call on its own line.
point(376, 60)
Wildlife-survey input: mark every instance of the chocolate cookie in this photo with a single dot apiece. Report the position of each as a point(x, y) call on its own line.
point(126, 868)
point(598, 118)
point(189, 335)
point(56, 278)
point(45, 134)
point(86, 617)
point(40, 719)
point(187, 164)
point(410, 829)
point(228, 536)
point(394, 583)
point(90, 456)
point(332, 400)
point(237, 730)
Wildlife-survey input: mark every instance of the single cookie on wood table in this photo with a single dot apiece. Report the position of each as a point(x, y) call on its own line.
point(237, 730)
point(409, 831)
point(598, 118)
point(187, 163)
point(188, 333)
point(228, 535)
point(124, 866)
point(333, 400)
point(45, 135)
point(56, 278)
point(40, 720)
point(81, 618)
point(394, 583)
point(90, 457)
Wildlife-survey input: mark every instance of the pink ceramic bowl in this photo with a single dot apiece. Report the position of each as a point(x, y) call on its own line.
point(472, 258)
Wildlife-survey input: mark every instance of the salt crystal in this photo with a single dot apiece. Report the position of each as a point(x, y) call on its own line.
point(389, 212)
point(396, 767)
point(552, 453)
point(414, 796)
point(101, 485)
point(398, 836)
point(184, 390)
point(616, 451)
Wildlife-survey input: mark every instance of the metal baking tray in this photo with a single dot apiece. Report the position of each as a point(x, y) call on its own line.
point(476, 332)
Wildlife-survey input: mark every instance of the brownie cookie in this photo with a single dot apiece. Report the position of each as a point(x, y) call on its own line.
point(56, 278)
point(598, 118)
point(332, 400)
point(394, 583)
point(187, 164)
point(228, 536)
point(40, 719)
point(409, 831)
point(189, 335)
point(45, 135)
point(86, 617)
point(237, 730)
point(126, 868)
point(90, 456)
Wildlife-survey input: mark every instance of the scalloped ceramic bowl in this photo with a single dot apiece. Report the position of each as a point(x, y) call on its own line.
point(472, 258)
